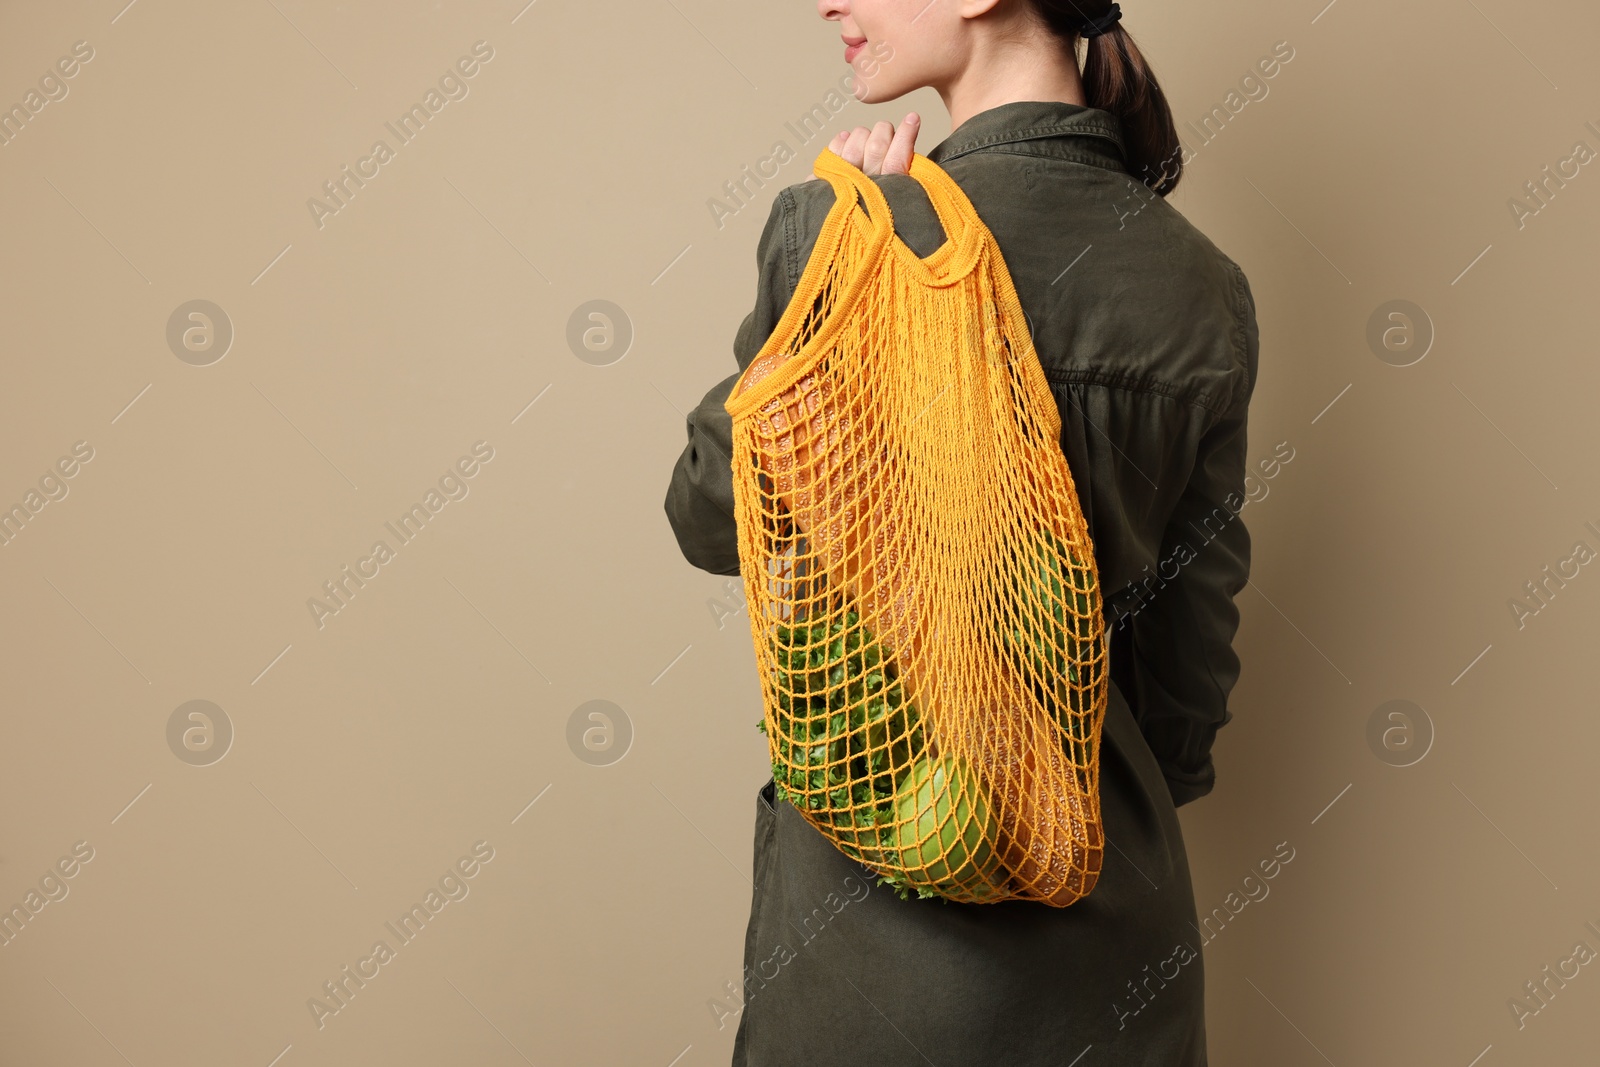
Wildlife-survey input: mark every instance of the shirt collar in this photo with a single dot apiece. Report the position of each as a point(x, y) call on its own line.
point(1039, 127)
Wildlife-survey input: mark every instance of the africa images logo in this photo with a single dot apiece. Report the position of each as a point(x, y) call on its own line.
point(452, 86)
point(453, 485)
point(453, 886)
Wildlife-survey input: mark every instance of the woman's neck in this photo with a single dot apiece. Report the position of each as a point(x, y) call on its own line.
point(1002, 75)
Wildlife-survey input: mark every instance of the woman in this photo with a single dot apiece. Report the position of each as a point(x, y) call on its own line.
point(1147, 335)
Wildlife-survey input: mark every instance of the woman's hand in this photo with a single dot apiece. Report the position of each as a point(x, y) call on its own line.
point(884, 149)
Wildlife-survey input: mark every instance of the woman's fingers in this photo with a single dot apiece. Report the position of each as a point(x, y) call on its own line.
point(877, 147)
point(835, 146)
point(897, 160)
point(855, 147)
point(882, 149)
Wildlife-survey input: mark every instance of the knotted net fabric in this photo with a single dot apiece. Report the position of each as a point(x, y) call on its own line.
point(921, 582)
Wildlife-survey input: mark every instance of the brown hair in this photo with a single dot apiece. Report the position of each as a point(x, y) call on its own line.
point(1117, 79)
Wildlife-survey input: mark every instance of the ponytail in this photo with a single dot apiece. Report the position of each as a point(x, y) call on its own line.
point(1117, 79)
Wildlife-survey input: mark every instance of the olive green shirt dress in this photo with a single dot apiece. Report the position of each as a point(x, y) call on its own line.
point(1147, 335)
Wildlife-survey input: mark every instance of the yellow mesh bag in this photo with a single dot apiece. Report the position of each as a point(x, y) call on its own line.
point(921, 582)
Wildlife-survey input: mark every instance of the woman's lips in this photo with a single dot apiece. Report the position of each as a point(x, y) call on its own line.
point(853, 47)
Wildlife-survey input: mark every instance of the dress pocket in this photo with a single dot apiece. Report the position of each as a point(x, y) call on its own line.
point(765, 830)
point(756, 939)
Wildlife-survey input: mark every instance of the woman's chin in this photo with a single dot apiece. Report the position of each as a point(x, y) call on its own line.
point(877, 89)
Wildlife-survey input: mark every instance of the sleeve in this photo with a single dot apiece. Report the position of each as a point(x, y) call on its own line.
point(699, 501)
point(1178, 635)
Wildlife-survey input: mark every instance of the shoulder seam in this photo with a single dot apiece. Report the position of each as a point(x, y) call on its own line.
point(1033, 132)
point(790, 240)
point(1081, 158)
point(1154, 386)
point(1241, 314)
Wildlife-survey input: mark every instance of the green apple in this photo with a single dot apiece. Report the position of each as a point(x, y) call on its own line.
point(943, 831)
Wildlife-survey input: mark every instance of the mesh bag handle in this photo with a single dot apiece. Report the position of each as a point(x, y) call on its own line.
point(964, 231)
point(923, 595)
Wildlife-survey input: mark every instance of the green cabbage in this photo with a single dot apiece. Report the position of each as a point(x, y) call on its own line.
point(1048, 634)
point(844, 729)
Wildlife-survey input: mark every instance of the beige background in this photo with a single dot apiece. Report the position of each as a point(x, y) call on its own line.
point(371, 352)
